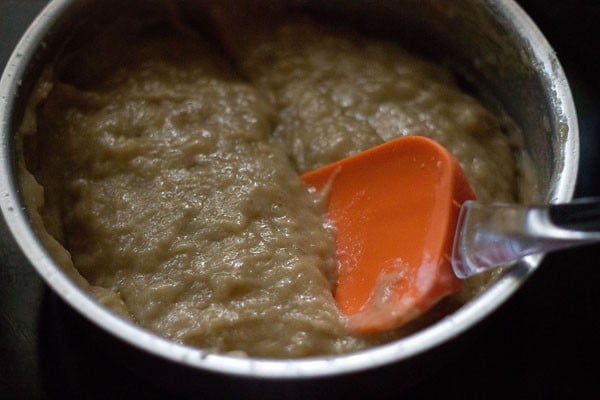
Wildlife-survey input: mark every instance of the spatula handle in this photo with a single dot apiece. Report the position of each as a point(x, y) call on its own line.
point(492, 235)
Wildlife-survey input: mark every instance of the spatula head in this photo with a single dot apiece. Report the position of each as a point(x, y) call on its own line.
point(394, 209)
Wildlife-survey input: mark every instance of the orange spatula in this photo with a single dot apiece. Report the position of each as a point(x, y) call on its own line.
point(394, 208)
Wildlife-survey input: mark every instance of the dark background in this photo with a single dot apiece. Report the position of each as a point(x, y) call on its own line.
point(542, 344)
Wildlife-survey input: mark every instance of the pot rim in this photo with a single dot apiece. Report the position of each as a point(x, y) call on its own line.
point(443, 331)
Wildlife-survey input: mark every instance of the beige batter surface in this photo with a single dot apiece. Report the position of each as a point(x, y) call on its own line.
point(171, 176)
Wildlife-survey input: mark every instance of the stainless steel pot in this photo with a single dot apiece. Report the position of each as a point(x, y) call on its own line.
point(501, 56)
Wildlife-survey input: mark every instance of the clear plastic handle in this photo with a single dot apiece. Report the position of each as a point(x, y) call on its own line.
point(491, 235)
